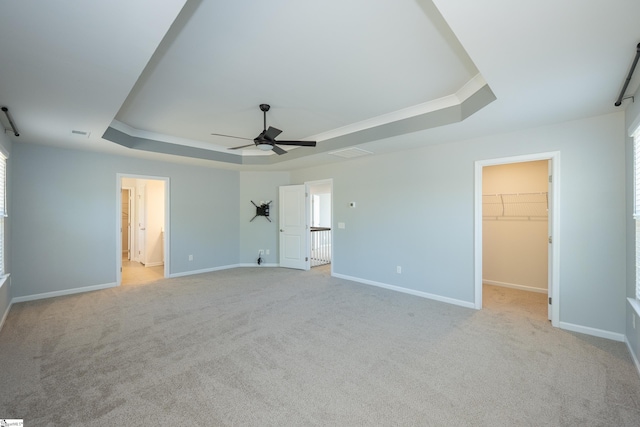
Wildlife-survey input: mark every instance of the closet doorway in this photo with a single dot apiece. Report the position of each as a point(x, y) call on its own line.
point(515, 207)
point(143, 229)
point(516, 230)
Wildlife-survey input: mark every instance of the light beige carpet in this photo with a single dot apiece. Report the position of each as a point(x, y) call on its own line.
point(270, 346)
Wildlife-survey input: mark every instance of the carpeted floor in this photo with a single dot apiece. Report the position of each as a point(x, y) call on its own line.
point(271, 346)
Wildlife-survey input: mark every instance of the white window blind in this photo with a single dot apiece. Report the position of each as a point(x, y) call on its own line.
point(3, 207)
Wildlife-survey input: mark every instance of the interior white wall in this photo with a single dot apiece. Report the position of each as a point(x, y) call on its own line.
point(67, 217)
point(259, 233)
point(321, 203)
point(155, 206)
point(514, 251)
point(324, 211)
point(415, 210)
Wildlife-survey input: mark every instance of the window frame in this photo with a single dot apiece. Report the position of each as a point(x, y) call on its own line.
point(3, 211)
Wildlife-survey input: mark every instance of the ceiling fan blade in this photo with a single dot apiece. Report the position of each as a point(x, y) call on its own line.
point(271, 133)
point(299, 143)
point(242, 146)
point(279, 151)
point(231, 136)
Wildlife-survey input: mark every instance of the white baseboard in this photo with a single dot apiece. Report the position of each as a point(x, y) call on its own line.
point(204, 270)
point(515, 286)
point(448, 300)
point(154, 264)
point(592, 331)
point(224, 267)
point(256, 265)
point(633, 355)
point(64, 292)
point(6, 313)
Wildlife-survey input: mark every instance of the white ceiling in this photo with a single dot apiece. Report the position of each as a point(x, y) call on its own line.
point(377, 74)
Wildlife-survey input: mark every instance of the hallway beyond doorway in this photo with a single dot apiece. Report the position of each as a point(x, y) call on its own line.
point(134, 273)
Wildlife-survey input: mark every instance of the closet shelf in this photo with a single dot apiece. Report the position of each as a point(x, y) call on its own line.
point(515, 206)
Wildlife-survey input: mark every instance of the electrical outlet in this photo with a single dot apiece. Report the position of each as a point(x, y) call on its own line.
point(399, 269)
point(261, 252)
point(267, 252)
point(190, 257)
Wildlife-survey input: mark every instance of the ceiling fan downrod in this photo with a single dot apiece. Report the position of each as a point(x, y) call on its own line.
point(264, 108)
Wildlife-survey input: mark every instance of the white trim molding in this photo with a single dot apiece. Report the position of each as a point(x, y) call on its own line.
point(6, 313)
point(515, 286)
point(554, 156)
point(635, 304)
point(154, 264)
point(248, 264)
point(204, 270)
point(166, 227)
point(466, 304)
point(592, 331)
point(64, 292)
point(633, 355)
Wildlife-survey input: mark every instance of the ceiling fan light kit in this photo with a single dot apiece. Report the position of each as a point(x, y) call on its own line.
point(266, 141)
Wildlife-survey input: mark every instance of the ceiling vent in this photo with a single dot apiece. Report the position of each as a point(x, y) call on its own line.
point(350, 153)
point(81, 132)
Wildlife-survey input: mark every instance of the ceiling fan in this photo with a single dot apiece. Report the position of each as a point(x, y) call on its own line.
point(267, 139)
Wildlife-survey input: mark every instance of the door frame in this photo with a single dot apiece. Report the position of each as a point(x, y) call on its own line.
point(167, 221)
point(132, 212)
point(554, 219)
point(309, 184)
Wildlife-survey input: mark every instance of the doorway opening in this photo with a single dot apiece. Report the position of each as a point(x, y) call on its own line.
point(142, 229)
point(320, 212)
point(517, 229)
point(302, 208)
point(515, 209)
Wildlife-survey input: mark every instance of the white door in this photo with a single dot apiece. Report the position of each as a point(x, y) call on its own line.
point(550, 244)
point(293, 227)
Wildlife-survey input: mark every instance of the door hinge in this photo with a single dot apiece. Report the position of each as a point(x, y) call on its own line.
point(306, 259)
point(550, 178)
point(549, 300)
point(550, 239)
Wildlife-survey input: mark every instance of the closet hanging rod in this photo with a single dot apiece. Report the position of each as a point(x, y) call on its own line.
point(626, 82)
point(11, 123)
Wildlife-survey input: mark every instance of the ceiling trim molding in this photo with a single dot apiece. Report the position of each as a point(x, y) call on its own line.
point(472, 97)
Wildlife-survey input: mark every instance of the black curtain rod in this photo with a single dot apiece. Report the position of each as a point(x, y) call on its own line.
point(626, 82)
point(11, 123)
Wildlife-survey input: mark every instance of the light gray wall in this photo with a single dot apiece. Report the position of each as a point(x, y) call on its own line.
point(5, 289)
point(632, 335)
point(259, 233)
point(415, 209)
point(65, 217)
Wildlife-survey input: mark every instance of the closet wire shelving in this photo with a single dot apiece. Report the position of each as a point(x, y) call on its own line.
point(515, 206)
